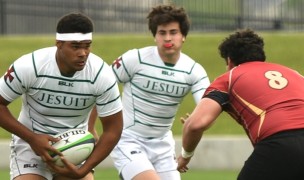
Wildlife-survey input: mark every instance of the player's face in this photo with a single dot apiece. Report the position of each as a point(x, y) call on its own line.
point(169, 41)
point(71, 56)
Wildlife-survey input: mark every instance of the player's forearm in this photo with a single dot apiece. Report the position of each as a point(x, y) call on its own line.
point(199, 121)
point(112, 128)
point(191, 138)
point(102, 149)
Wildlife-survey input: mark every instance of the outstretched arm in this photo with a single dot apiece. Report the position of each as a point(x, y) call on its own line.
point(200, 120)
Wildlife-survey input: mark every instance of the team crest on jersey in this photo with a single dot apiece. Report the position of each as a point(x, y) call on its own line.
point(8, 74)
point(117, 63)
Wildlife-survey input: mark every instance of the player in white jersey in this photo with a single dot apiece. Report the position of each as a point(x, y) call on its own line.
point(59, 86)
point(155, 80)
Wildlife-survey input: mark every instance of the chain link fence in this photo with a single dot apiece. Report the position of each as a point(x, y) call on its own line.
point(129, 16)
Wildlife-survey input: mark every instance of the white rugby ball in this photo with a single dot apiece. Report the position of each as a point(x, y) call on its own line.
point(76, 146)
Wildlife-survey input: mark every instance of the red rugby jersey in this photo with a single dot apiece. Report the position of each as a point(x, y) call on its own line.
point(265, 98)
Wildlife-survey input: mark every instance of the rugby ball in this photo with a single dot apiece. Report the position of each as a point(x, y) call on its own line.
point(76, 146)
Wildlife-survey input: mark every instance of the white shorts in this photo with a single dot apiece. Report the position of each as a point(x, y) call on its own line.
point(133, 155)
point(23, 160)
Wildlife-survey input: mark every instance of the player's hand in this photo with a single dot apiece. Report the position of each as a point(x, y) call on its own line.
point(68, 170)
point(184, 119)
point(41, 145)
point(182, 164)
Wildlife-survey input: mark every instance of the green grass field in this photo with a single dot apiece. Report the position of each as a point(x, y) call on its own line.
point(111, 174)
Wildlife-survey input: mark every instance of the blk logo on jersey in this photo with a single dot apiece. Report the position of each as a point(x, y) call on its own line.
point(63, 83)
point(117, 63)
point(8, 74)
point(167, 73)
point(30, 166)
point(135, 152)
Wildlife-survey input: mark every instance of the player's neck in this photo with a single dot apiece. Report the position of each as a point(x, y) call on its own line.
point(170, 59)
point(62, 68)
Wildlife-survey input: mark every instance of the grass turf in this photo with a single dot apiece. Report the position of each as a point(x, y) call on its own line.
point(111, 174)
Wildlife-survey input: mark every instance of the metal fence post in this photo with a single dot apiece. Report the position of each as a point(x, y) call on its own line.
point(81, 6)
point(3, 17)
point(240, 17)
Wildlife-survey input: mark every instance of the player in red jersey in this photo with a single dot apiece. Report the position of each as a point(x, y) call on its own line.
point(266, 99)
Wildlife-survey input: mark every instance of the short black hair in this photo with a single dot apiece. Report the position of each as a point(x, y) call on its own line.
point(243, 46)
point(164, 14)
point(74, 23)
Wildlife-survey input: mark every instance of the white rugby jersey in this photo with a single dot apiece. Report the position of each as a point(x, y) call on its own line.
point(52, 103)
point(153, 91)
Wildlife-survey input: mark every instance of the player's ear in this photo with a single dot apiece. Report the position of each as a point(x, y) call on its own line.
point(184, 39)
point(59, 44)
point(230, 64)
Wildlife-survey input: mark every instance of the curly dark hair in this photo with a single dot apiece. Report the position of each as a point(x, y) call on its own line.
point(164, 14)
point(74, 23)
point(243, 46)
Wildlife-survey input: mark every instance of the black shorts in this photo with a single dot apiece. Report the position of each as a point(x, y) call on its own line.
point(278, 157)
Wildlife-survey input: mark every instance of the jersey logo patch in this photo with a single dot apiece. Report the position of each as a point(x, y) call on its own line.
point(63, 83)
point(116, 63)
point(30, 166)
point(135, 152)
point(8, 74)
point(167, 73)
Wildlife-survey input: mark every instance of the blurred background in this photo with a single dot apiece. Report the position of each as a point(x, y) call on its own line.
point(121, 25)
point(125, 16)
